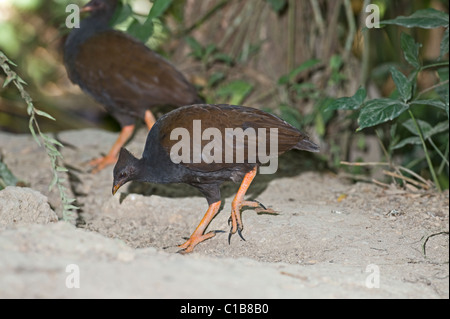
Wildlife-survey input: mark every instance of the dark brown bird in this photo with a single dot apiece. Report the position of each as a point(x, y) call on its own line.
point(211, 155)
point(121, 73)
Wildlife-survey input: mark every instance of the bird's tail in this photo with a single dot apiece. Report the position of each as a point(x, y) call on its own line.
point(306, 145)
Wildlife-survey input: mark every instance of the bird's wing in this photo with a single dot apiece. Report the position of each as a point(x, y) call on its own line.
point(122, 72)
point(239, 129)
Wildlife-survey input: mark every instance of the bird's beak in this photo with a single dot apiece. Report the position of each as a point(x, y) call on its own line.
point(116, 187)
point(88, 7)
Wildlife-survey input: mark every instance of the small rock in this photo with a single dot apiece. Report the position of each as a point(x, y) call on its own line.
point(22, 206)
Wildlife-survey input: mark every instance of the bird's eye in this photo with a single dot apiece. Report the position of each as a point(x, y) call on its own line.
point(122, 175)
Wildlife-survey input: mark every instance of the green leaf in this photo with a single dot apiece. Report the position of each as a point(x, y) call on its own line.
point(427, 130)
point(410, 50)
point(6, 176)
point(336, 62)
point(8, 80)
point(290, 115)
point(197, 49)
point(124, 12)
point(415, 140)
point(411, 126)
point(5, 58)
point(33, 132)
point(438, 128)
point(402, 83)
point(238, 90)
point(44, 114)
point(349, 103)
point(444, 44)
point(142, 32)
point(277, 5)
point(223, 58)
point(70, 207)
point(53, 182)
point(426, 19)
point(436, 103)
point(290, 77)
point(158, 8)
point(378, 111)
point(215, 78)
point(210, 49)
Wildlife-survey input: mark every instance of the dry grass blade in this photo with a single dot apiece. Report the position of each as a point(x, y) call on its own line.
point(419, 182)
point(406, 179)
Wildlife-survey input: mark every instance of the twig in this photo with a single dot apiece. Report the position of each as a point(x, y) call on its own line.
point(351, 26)
point(386, 153)
point(420, 178)
point(428, 237)
point(365, 164)
point(431, 88)
point(318, 16)
point(380, 183)
point(406, 170)
point(366, 49)
point(406, 179)
point(291, 34)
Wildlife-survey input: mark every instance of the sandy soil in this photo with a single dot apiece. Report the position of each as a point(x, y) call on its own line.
point(331, 238)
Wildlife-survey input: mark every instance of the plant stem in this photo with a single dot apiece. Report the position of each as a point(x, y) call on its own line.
point(438, 150)
point(49, 144)
point(366, 49)
point(434, 65)
point(427, 156)
point(351, 26)
point(291, 34)
point(431, 88)
point(441, 167)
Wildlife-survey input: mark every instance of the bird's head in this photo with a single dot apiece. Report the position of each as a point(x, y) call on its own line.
point(97, 6)
point(126, 169)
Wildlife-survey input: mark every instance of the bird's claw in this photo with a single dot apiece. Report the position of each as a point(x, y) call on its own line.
point(239, 229)
point(235, 220)
point(257, 202)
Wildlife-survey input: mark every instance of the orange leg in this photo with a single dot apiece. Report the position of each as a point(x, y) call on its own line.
point(197, 236)
point(238, 203)
point(111, 158)
point(149, 119)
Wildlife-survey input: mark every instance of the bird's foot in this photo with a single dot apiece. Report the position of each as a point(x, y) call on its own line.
point(193, 241)
point(235, 218)
point(100, 163)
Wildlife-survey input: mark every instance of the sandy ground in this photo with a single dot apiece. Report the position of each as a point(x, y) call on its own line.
point(331, 238)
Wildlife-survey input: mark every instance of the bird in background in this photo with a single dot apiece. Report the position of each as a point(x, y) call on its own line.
point(157, 166)
point(122, 74)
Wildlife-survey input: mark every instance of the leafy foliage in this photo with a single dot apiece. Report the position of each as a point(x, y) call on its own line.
point(50, 144)
point(377, 111)
point(7, 178)
point(139, 27)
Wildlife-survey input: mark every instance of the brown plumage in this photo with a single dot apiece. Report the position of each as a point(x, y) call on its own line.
point(121, 73)
point(157, 165)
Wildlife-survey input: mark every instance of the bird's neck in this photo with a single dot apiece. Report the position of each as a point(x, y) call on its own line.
point(96, 22)
point(150, 172)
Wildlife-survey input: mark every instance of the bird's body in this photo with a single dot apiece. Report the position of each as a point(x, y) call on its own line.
point(121, 73)
point(157, 164)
